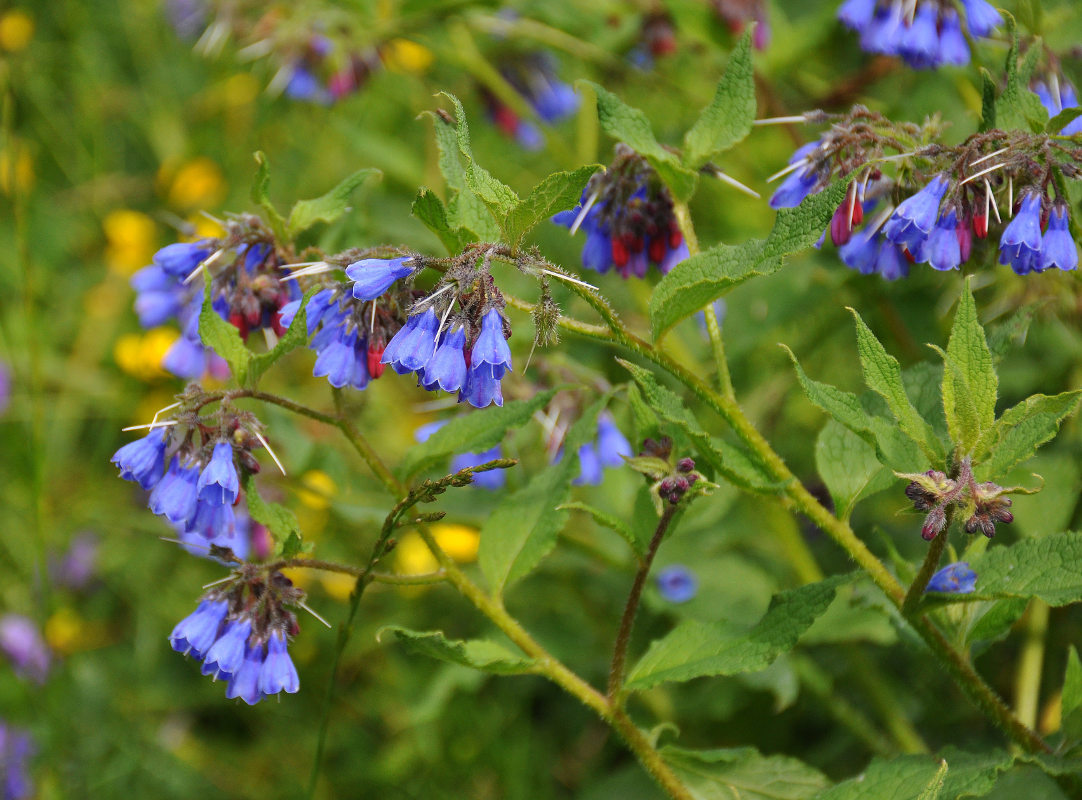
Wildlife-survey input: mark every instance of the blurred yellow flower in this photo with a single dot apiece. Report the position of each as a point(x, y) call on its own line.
point(195, 184)
point(402, 55)
point(141, 354)
point(316, 489)
point(412, 556)
point(16, 30)
point(203, 227)
point(16, 169)
point(131, 238)
point(338, 585)
point(301, 576)
point(240, 89)
point(67, 632)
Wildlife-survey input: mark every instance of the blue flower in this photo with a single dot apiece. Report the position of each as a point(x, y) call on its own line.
point(337, 361)
point(195, 634)
point(955, 578)
point(218, 482)
point(226, 655)
point(677, 583)
point(180, 259)
point(175, 495)
point(447, 367)
point(143, 460)
point(373, 276)
point(244, 682)
point(493, 479)
point(918, 43)
point(861, 251)
point(1057, 247)
point(411, 348)
point(942, 249)
point(953, 48)
point(981, 17)
point(491, 345)
point(340, 344)
point(915, 216)
point(482, 387)
point(856, 14)
point(891, 262)
point(553, 99)
point(224, 526)
point(797, 186)
point(589, 466)
point(1020, 244)
point(16, 748)
point(304, 85)
point(211, 522)
point(278, 673)
point(612, 446)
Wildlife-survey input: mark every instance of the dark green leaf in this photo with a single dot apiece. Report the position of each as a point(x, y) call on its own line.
point(908, 777)
point(970, 384)
point(743, 774)
point(698, 281)
point(223, 338)
point(1018, 107)
point(1021, 430)
point(988, 101)
point(557, 192)
point(728, 118)
point(429, 209)
point(480, 654)
point(328, 207)
point(849, 467)
point(1046, 568)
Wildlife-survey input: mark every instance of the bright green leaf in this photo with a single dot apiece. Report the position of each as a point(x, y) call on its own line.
point(1063, 119)
point(743, 774)
point(496, 195)
point(728, 118)
point(558, 192)
point(278, 519)
point(464, 208)
point(294, 337)
point(970, 384)
point(908, 777)
point(849, 467)
point(223, 338)
point(1021, 430)
point(479, 654)
point(1072, 684)
point(934, 788)
point(1018, 107)
point(695, 649)
point(429, 209)
point(328, 207)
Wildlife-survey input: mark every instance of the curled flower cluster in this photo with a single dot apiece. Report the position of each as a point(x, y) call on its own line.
point(925, 34)
point(194, 484)
point(534, 78)
point(981, 505)
point(627, 214)
point(241, 634)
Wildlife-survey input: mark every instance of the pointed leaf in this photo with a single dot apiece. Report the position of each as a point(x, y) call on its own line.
point(1063, 119)
point(698, 281)
point(728, 118)
point(959, 406)
point(464, 208)
point(608, 521)
point(557, 192)
point(261, 198)
point(429, 209)
point(908, 777)
point(278, 519)
point(970, 382)
point(495, 194)
point(328, 207)
point(295, 336)
point(1072, 684)
point(1046, 568)
point(695, 649)
point(480, 654)
point(223, 338)
point(743, 774)
point(1021, 430)
point(1018, 107)
point(849, 467)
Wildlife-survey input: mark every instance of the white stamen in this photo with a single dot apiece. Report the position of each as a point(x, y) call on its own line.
point(899, 156)
point(569, 279)
point(305, 606)
point(987, 198)
point(582, 214)
point(782, 172)
point(318, 268)
point(434, 295)
point(372, 321)
point(299, 264)
point(990, 196)
point(1054, 90)
point(257, 50)
point(165, 424)
point(530, 356)
point(220, 580)
point(976, 175)
point(202, 265)
point(780, 120)
point(1010, 195)
point(270, 337)
point(721, 176)
point(160, 411)
point(263, 441)
point(879, 220)
point(852, 202)
point(212, 218)
point(990, 155)
point(443, 321)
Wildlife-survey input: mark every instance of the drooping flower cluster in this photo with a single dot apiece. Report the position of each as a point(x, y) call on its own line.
point(925, 34)
point(241, 631)
point(627, 214)
point(955, 578)
point(242, 268)
point(979, 505)
point(609, 449)
point(534, 78)
point(192, 467)
point(323, 71)
point(1058, 95)
point(939, 223)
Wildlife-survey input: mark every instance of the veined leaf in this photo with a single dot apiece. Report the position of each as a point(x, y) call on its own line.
point(728, 118)
point(328, 207)
point(223, 338)
point(557, 192)
point(743, 774)
point(480, 654)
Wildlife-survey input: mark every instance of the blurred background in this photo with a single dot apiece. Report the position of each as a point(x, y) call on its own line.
point(122, 122)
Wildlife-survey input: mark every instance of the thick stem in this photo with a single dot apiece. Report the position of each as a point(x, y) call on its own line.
point(1027, 683)
point(927, 570)
point(631, 608)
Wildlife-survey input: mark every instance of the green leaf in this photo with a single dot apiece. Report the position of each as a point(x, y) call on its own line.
point(497, 196)
point(223, 338)
point(743, 774)
point(261, 198)
point(935, 786)
point(278, 519)
point(735, 465)
point(849, 467)
point(480, 654)
point(328, 207)
point(464, 208)
point(698, 281)
point(1063, 119)
point(429, 209)
point(1021, 430)
point(988, 102)
point(970, 384)
point(295, 336)
point(883, 376)
point(522, 529)
point(557, 192)
point(608, 521)
point(908, 777)
point(728, 118)
point(1046, 568)
point(1018, 107)
point(695, 649)
point(630, 126)
point(474, 432)
point(1072, 684)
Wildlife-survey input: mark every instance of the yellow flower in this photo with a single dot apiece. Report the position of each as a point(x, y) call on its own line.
point(195, 184)
point(140, 355)
point(203, 227)
point(16, 30)
point(338, 585)
point(67, 632)
point(131, 239)
point(412, 556)
point(402, 55)
point(316, 489)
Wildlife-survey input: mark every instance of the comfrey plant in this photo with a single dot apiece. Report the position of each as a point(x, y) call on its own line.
point(933, 433)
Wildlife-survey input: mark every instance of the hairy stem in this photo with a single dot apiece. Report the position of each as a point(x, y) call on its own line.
point(927, 569)
point(631, 608)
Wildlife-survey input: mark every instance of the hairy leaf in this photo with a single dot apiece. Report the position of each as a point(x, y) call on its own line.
point(557, 192)
point(1046, 568)
point(328, 207)
point(429, 209)
point(223, 338)
point(1021, 430)
point(848, 466)
point(743, 773)
point(970, 384)
point(728, 118)
point(480, 654)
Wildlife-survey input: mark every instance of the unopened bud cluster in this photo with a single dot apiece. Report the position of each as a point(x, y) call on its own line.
point(980, 505)
point(671, 483)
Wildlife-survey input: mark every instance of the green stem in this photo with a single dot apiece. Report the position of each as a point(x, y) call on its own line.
point(439, 576)
point(631, 608)
point(313, 563)
point(885, 701)
point(1027, 684)
point(927, 569)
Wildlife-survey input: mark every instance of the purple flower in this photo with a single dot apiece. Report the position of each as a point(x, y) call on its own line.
point(411, 348)
point(918, 43)
point(861, 251)
point(16, 748)
point(218, 483)
point(915, 217)
point(5, 387)
point(482, 387)
point(942, 249)
point(677, 583)
point(1057, 247)
point(589, 466)
point(373, 276)
point(447, 367)
point(195, 634)
point(225, 656)
point(797, 186)
point(77, 566)
point(891, 263)
point(856, 14)
point(278, 673)
point(953, 48)
point(1020, 244)
point(955, 578)
point(244, 681)
point(981, 17)
point(491, 346)
point(612, 446)
point(211, 522)
point(143, 460)
point(22, 643)
point(304, 85)
point(176, 495)
point(180, 259)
